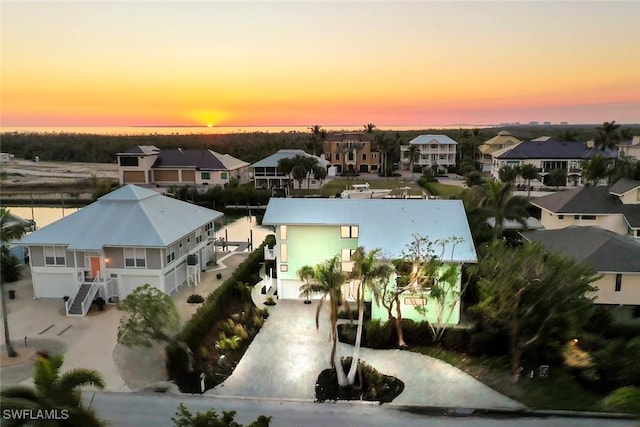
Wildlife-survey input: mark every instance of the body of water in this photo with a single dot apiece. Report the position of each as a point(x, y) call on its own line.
point(191, 130)
point(232, 228)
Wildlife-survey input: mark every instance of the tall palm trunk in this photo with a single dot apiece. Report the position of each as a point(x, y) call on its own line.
point(335, 360)
point(351, 376)
point(7, 339)
point(398, 322)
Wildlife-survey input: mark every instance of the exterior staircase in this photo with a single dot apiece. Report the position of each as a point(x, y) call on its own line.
point(76, 305)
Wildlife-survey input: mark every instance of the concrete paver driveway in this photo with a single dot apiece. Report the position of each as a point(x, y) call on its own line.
point(287, 355)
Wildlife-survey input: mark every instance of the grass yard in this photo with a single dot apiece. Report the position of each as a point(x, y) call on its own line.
point(560, 391)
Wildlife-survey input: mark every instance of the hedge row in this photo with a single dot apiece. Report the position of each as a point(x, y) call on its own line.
point(213, 309)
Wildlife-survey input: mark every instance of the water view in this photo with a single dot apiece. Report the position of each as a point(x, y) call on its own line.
point(233, 228)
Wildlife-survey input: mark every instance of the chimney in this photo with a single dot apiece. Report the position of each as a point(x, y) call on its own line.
point(591, 143)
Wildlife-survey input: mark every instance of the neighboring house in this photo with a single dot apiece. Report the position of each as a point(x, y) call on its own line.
point(28, 224)
point(547, 154)
point(435, 150)
point(630, 148)
point(310, 231)
point(266, 173)
point(502, 140)
point(615, 208)
point(351, 152)
point(615, 258)
point(150, 166)
point(125, 239)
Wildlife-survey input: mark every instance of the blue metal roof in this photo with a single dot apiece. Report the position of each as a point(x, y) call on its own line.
point(128, 216)
point(388, 224)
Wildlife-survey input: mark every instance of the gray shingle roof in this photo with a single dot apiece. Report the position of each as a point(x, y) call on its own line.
point(128, 216)
point(605, 250)
point(623, 185)
point(587, 200)
point(388, 224)
point(199, 159)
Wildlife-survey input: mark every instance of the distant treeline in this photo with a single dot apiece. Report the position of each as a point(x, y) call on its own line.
point(250, 147)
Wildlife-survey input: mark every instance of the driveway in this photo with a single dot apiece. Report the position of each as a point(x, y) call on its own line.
point(285, 358)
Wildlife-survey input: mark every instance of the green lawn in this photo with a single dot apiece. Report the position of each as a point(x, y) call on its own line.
point(560, 391)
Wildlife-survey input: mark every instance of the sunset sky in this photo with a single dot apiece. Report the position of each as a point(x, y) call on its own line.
point(120, 63)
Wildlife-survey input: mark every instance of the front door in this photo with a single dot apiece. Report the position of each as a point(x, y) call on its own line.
point(95, 266)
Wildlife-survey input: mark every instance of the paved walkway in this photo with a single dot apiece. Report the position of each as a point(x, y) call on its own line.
point(287, 355)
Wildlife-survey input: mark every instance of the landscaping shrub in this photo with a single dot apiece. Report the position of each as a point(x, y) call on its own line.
point(379, 335)
point(624, 399)
point(489, 341)
point(370, 385)
point(176, 362)
point(213, 308)
point(270, 301)
point(415, 333)
point(195, 299)
point(456, 340)
point(617, 364)
point(347, 334)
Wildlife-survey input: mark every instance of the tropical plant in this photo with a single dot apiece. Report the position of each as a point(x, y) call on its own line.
point(624, 399)
point(316, 139)
point(369, 128)
point(10, 269)
point(528, 172)
point(285, 166)
point(54, 391)
point(414, 156)
point(473, 178)
point(568, 134)
point(299, 173)
point(525, 290)
point(184, 418)
point(319, 173)
point(150, 315)
point(368, 273)
point(595, 169)
point(557, 177)
point(508, 174)
point(608, 135)
point(306, 274)
point(499, 203)
point(328, 281)
point(385, 145)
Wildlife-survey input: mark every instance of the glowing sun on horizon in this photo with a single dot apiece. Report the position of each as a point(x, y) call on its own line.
point(208, 118)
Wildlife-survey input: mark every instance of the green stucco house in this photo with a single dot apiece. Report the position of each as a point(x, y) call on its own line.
point(310, 231)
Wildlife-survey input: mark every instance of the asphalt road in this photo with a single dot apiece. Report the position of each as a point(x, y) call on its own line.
point(156, 410)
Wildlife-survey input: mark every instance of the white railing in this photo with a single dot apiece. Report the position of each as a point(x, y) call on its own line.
point(93, 290)
point(69, 302)
point(268, 282)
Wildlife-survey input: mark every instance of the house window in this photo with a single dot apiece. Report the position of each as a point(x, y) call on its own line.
point(54, 255)
point(284, 268)
point(560, 216)
point(128, 161)
point(576, 217)
point(208, 228)
point(223, 175)
point(589, 217)
point(171, 253)
point(206, 175)
point(349, 231)
point(337, 156)
point(364, 156)
point(346, 254)
point(283, 232)
point(198, 236)
point(374, 155)
point(283, 252)
point(618, 282)
point(135, 257)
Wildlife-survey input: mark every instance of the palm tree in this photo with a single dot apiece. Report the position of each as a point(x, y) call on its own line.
point(316, 140)
point(568, 135)
point(595, 169)
point(528, 172)
point(608, 135)
point(285, 166)
point(501, 205)
point(329, 279)
point(558, 177)
point(366, 271)
point(55, 391)
point(306, 274)
point(384, 145)
point(414, 156)
point(8, 232)
point(319, 173)
point(508, 174)
point(299, 173)
point(369, 128)
point(309, 164)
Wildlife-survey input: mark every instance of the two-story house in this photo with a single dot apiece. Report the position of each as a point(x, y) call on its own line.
point(502, 140)
point(615, 208)
point(127, 238)
point(148, 165)
point(266, 174)
point(310, 231)
point(352, 152)
point(434, 150)
point(547, 154)
point(615, 258)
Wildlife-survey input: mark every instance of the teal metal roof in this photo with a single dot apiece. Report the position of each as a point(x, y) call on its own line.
point(388, 224)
